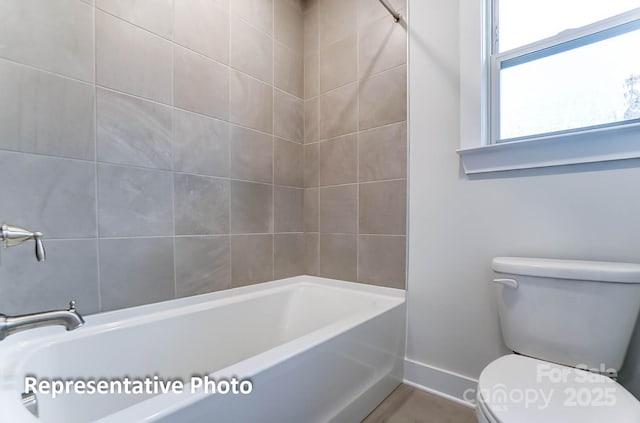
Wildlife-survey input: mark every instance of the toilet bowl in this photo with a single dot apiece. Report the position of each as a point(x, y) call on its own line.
point(519, 389)
point(561, 317)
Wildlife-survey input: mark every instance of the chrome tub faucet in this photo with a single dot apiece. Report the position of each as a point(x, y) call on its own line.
point(69, 318)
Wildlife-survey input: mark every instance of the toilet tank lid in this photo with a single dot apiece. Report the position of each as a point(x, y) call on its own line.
point(569, 269)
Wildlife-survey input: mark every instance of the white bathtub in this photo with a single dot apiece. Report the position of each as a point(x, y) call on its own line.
point(315, 350)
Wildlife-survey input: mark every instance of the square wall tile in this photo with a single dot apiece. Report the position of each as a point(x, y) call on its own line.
point(251, 102)
point(201, 205)
point(153, 15)
point(132, 131)
point(134, 202)
point(312, 254)
point(203, 264)
point(132, 60)
point(311, 165)
point(383, 98)
point(289, 70)
point(338, 256)
point(289, 24)
point(339, 63)
point(311, 26)
point(289, 163)
point(203, 26)
point(289, 255)
point(382, 46)
point(339, 209)
point(311, 210)
point(45, 114)
point(200, 84)
point(311, 74)
point(382, 260)
point(52, 195)
point(251, 259)
point(251, 155)
point(70, 273)
point(289, 209)
point(311, 120)
point(56, 36)
point(338, 19)
point(383, 152)
point(288, 112)
point(339, 160)
point(339, 111)
point(383, 207)
point(251, 208)
point(251, 51)
point(201, 144)
point(136, 271)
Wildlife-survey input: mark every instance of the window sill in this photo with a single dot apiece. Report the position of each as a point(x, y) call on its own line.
point(586, 147)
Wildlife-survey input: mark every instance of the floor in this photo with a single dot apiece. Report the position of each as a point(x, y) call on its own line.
point(410, 405)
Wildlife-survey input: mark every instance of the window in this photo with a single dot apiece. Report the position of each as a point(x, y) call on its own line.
point(559, 82)
point(563, 66)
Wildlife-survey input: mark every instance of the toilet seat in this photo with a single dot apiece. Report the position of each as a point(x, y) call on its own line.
point(518, 389)
point(483, 413)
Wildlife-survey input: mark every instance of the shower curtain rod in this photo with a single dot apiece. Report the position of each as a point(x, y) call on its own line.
point(394, 12)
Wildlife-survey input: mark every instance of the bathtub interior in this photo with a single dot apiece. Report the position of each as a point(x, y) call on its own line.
point(178, 343)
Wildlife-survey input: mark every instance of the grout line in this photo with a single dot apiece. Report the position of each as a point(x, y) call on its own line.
point(289, 141)
point(229, 192)
point(173, 150)
point(287, 93)
point(360, 183)
point(273, 141)
point(49, 72)
point(373, 75)
point(358, 87)
point(150, 100)
point(95, 158)
point(151, 169)
point(227, 121)
point(137, 26)
point(318, 34)
point(220, 235)
point(176, 43)
point(357, 132)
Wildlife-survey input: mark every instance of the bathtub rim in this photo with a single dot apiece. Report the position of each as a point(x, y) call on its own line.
point(131, 316)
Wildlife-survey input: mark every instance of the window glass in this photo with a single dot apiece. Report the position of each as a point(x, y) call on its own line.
point(523, 22)
point(597, 84)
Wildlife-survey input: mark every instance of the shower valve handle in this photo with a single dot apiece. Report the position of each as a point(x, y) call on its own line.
point(13, 235)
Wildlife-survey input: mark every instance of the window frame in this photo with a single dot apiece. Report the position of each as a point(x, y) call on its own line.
point(480, 149)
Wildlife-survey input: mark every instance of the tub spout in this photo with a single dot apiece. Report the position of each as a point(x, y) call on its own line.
point(70, 319)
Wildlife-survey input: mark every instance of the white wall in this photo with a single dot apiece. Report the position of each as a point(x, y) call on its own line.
point(458, 224)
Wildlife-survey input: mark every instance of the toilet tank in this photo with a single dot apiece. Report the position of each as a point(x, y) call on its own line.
point(576, 313)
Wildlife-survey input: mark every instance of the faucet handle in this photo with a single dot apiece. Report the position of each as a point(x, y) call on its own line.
point(13, 235)
point(72, 305)
point(41, 255)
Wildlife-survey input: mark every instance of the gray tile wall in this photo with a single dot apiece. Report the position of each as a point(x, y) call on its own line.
point(355, 141)
point(157, 144)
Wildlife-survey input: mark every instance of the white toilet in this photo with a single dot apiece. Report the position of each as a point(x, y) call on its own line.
point(559, 316)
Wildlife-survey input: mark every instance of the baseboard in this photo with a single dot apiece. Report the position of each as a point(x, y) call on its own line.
point(444, 383)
